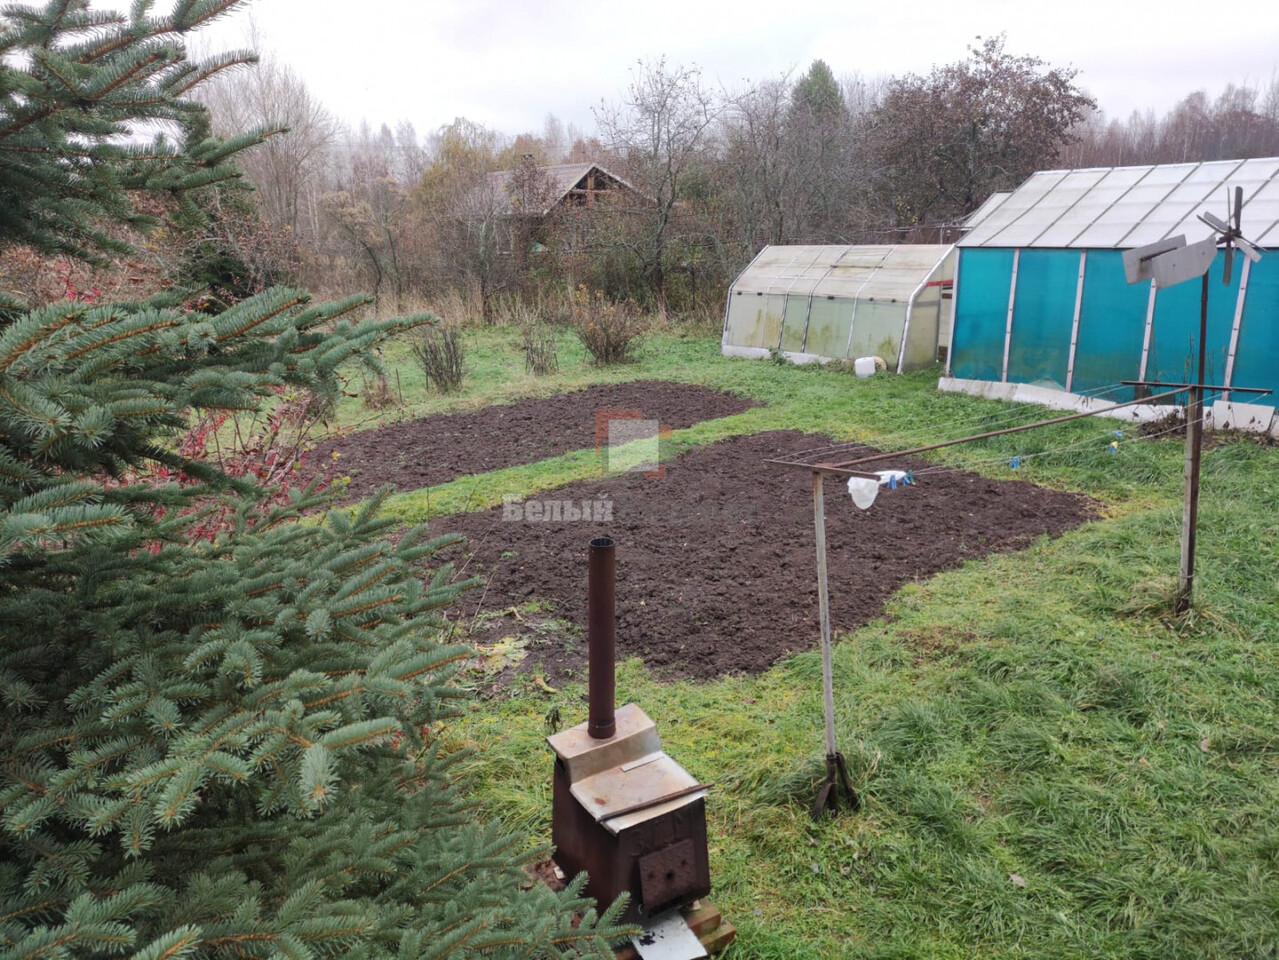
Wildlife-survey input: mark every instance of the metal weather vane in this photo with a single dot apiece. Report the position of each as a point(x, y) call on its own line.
point(1232, 237)
point(1173, 261)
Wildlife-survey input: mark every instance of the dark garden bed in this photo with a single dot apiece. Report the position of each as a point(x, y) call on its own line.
point(715, 561)
point(432, 450)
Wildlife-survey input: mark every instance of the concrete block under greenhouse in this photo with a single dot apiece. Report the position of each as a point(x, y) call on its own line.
point(1221, 415)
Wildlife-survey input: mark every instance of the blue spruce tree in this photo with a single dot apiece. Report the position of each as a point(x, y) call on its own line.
point(217, 748)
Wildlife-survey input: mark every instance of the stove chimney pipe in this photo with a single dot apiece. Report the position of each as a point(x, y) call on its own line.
point(601, 630)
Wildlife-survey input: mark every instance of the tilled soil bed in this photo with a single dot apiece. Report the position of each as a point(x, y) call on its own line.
point(715, 561)
point(422, 453)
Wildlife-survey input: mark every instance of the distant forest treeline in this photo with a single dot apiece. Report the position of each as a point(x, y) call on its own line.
point(807, 158)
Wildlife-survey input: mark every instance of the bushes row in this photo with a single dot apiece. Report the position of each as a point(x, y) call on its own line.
point(611, 333)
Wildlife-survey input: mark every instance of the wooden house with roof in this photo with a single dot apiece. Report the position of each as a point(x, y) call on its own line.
point(539, 191)
point(531, 205)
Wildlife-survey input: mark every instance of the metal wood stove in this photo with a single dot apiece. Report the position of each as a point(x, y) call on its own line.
point(624, 811)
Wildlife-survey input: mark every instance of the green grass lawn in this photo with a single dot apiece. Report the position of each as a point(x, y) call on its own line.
point(1051, 764)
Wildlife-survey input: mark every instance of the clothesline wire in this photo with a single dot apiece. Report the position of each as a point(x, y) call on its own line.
point(931, 432)
point(1021, 458)
point(961, 427)
point(937, 471)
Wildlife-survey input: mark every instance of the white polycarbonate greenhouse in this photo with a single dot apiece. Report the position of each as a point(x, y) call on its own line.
point(819, 303)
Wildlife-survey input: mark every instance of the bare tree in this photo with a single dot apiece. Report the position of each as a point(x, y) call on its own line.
point(792, 158)
point(370, 212)
point(1240, 123)
point(862, 94)
point(660, 129)
point(1270, 103)
point(556, 139)
point(288, 169)
point(411, 155)
point(482, 223)
point(584, 149)
point(768, 178)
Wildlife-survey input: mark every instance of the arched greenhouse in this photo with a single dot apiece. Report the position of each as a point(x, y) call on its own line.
point(820, 303)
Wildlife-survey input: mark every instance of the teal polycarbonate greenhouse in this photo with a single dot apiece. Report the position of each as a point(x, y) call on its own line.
point(1041, 296)
point(817, 303)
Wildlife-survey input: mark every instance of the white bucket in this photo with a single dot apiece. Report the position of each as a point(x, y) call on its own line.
point(864, 366)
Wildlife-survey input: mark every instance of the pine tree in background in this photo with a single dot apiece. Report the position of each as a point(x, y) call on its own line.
point(214, 749)
point(817, 92)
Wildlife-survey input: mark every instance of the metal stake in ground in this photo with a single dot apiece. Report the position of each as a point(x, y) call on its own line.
point(836, 769)
point(1194, 456)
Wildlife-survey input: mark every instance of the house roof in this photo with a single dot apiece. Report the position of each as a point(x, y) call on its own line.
point(561, 178)
point(1124, 207)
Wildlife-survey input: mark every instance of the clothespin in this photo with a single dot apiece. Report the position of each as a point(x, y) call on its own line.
point(1114, 446)
point(892, 479)
point(1015, 463)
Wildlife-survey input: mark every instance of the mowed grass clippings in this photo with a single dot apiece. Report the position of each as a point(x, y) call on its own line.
point(1051, 763)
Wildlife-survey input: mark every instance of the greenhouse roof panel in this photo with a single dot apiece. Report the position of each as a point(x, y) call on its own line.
point(1259, 179)
point(1122, 207)
point(866, 256)
point(1011, 210)
point(778, 269)
point(903, 270)
point(1050, 209)
point(883, 272)
point(993, 203)
point(1176, 214)
point(1131, 209)
point(1261, 209)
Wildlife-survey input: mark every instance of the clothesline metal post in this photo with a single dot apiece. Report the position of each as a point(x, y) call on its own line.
point(1194, 455)
point(836, 768)
point(823, 603)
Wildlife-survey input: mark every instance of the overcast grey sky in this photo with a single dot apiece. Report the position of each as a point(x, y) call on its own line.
point(507, 64)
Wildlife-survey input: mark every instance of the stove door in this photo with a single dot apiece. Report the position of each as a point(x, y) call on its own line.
point(669, 875)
